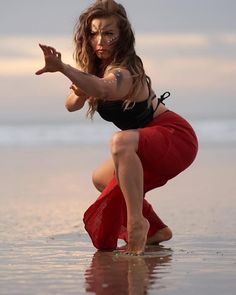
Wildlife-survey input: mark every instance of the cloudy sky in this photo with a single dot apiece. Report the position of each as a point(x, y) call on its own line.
point(188, 47)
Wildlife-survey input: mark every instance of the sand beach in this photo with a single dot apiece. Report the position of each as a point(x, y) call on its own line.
point(45, 250)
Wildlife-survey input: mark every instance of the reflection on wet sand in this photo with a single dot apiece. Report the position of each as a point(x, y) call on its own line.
point(117, 273)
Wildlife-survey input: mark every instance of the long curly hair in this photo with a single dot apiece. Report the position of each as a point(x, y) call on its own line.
point(124, 55)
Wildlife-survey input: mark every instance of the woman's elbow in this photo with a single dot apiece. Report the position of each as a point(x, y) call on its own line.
point(69, 107)
point(74, 105)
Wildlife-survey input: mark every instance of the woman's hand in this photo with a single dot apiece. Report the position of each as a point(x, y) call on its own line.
point(75, 99)
point(53, 62)
point(77, 91)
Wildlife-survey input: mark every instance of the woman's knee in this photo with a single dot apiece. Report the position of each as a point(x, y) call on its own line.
point(124, 141)
point(97, 181)
point(103, 175)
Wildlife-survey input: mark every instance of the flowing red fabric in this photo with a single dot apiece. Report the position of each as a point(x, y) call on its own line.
point(167, 146)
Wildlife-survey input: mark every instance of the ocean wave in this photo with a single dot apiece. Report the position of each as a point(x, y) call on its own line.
point(208, 131)
point(216, 131)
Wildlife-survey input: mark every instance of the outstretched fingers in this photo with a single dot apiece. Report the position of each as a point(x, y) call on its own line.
point(44, 49)
point(41, 71)
point(58, 54)
point(52, 59)
point(47, 50)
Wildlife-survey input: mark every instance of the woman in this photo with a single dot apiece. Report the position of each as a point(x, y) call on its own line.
point(154, 144)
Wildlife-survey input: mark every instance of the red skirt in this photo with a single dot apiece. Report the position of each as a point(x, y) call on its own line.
point(167, 146)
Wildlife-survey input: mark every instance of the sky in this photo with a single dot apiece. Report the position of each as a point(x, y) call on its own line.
point(188, 48)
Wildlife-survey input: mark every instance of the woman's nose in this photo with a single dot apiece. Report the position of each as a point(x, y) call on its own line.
point(99, 39)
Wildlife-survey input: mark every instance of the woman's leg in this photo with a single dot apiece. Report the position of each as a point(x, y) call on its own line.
point(129, 174)
point(159, 231)
point(101, 178)
point(103, 175)
point(161, 235)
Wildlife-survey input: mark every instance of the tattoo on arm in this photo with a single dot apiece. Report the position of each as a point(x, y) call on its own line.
point(119, 77)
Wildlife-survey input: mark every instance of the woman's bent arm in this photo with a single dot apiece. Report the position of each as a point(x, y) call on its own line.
point(113, 86)
point(73, 102)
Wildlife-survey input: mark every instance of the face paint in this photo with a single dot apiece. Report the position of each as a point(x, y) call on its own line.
point(112, 40)
point(104, 35)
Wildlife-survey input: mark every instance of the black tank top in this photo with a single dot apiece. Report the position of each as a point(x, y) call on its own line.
point(134, 117)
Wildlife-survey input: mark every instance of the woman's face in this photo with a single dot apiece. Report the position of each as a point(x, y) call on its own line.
point(104, 33)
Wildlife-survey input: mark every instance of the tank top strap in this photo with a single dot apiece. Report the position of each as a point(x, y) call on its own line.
point(162, 97)
point(151, 93)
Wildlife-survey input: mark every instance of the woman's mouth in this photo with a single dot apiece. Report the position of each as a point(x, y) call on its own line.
point(101, 50)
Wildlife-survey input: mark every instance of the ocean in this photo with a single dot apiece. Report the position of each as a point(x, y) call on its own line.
point(212, 131)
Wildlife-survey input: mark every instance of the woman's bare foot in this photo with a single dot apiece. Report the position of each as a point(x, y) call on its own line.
point(137, 237)
point(162, 235)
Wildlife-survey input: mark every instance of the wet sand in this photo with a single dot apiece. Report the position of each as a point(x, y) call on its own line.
point(45, 250)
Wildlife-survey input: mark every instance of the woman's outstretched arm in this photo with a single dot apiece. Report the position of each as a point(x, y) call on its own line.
point(115, 85)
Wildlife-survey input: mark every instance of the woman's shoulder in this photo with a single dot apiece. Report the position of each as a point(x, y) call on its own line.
point(117, 70)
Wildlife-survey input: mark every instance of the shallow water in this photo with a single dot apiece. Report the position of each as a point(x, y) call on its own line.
point(68, 264)
point(45, 250)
